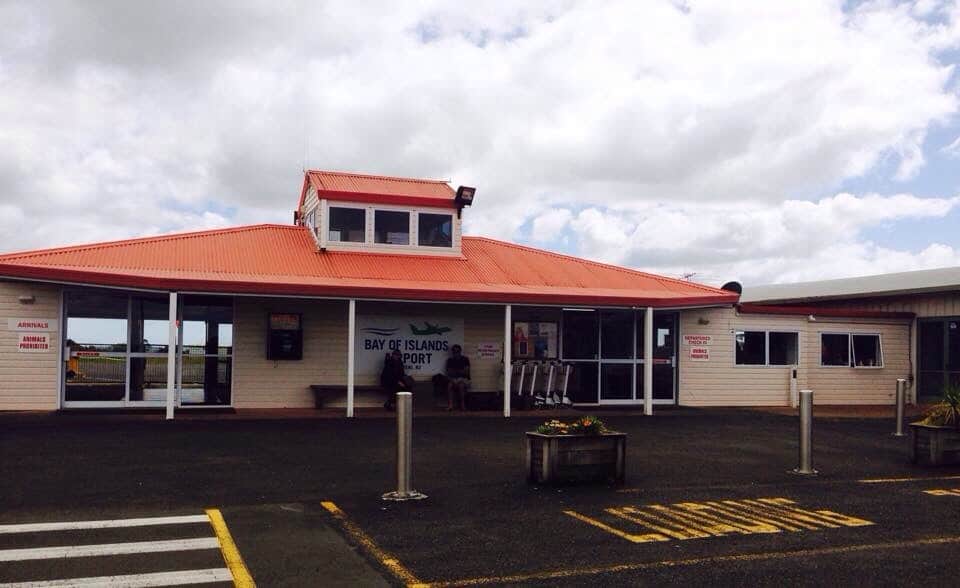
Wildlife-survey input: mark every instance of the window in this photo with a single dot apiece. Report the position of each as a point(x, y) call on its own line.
point(435, 230)
point(867, 351)
point(851, 350)
point(616, 332)
point(347, 224)
point(310, 220)
point(766, 348)
point(580, 335)
point(834, 349)
point(784, 348)
point(751, 347)
point(392, 227)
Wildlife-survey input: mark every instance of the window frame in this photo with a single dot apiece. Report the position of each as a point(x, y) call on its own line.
point(405, 211)
point(329, 219)
point(453, 230)
point(851, 357)
point(766, 352)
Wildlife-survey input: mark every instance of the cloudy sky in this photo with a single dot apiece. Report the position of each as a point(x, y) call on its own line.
point(761, 141)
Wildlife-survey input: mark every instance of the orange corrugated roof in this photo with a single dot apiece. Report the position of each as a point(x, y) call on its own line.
point(380, 189)
point(279, 259)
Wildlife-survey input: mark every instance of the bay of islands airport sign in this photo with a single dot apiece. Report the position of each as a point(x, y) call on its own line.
point(423, 341)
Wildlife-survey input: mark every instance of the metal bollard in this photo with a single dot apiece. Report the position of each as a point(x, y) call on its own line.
point(901, 400)
point(806, 434)
point(404, 450)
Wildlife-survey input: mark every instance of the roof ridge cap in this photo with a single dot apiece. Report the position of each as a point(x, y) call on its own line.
point(378, 177)
point(599, 263)
point(121, 242)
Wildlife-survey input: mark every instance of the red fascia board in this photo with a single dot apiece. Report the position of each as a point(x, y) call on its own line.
point(395, 199)
point(93, 278)
point(815, 311)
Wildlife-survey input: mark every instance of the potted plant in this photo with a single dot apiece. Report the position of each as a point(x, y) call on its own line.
point(936, 439)
point(584, 450)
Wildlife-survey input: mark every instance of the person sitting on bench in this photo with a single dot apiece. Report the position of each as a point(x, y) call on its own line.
point(458, 370)
point(393, 378)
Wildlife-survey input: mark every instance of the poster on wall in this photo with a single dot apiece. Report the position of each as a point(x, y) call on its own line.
point(535, 340)
point(489, 351)
point(424, 342)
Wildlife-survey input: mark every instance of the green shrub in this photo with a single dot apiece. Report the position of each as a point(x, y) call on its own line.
point(946, 412)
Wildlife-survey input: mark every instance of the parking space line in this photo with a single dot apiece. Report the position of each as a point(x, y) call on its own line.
point(642, 566)
point(67, 551)
point(943, 492)
point(179, 578)
point(649, 537)
point(386, 559)
point(231, 555)
point(104, 524)
point(901, 480)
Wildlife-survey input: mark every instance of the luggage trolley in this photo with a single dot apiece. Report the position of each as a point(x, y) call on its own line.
point(544, 398)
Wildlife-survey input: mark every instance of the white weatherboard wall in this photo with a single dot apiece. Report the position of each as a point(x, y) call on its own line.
point(28, 381)
point(719, 382)
point(262, 383)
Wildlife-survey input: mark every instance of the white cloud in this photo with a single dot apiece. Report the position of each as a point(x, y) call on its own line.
point(761, 243)
point(698, 126)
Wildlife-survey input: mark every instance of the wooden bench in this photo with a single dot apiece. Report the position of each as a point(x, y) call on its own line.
point(325, 392)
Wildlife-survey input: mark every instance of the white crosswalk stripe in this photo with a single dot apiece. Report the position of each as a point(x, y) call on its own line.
point(135, 580)
point(72, 554)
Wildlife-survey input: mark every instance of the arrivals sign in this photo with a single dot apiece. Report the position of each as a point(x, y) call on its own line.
point(33, 342)
point(424, 342)
point(31, 324)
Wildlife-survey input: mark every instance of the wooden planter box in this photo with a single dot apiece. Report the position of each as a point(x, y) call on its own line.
point(557, 459)
point(934, 445)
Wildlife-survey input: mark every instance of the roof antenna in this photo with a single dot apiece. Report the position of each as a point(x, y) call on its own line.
point(688, 276)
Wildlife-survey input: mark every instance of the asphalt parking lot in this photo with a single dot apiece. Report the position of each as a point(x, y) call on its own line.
point(709, 497)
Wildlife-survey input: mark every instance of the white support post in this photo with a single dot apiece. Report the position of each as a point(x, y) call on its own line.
point(648, 362)
point(507, 354)
point(351, 353)
point(172, 357)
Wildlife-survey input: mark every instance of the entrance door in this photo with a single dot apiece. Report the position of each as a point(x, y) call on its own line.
point(664, 357)
point(938, 356)
point(617, 356)
point(149, 335)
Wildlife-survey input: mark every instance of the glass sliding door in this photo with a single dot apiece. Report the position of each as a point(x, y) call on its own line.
point(938, 356)
point(206, 344)
point(580, 347)
point(95, 349)
point(617, 356)
point(149, 334)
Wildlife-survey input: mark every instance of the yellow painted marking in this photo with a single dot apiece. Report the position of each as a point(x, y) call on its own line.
point(828, 515)
point(700, 520)
point(696, 520)
point(899, 480)
point(760, 510)
point(659, 524)
point(754, 525)
point(648, 538)
point(699, 561)
point(803, 522)
point(388, 560)
point(955, 492)
point(231, 555)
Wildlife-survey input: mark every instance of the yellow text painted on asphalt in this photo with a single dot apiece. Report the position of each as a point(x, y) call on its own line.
point(701, 520)
point(943, 492)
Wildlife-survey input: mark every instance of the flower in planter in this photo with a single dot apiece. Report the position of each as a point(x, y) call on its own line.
point(588, 425)
point(946, 412)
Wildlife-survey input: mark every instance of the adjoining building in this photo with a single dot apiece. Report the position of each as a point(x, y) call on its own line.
point(253, 316)
point(930, 297)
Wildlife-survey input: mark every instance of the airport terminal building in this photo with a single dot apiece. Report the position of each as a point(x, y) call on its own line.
point(260, 316)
